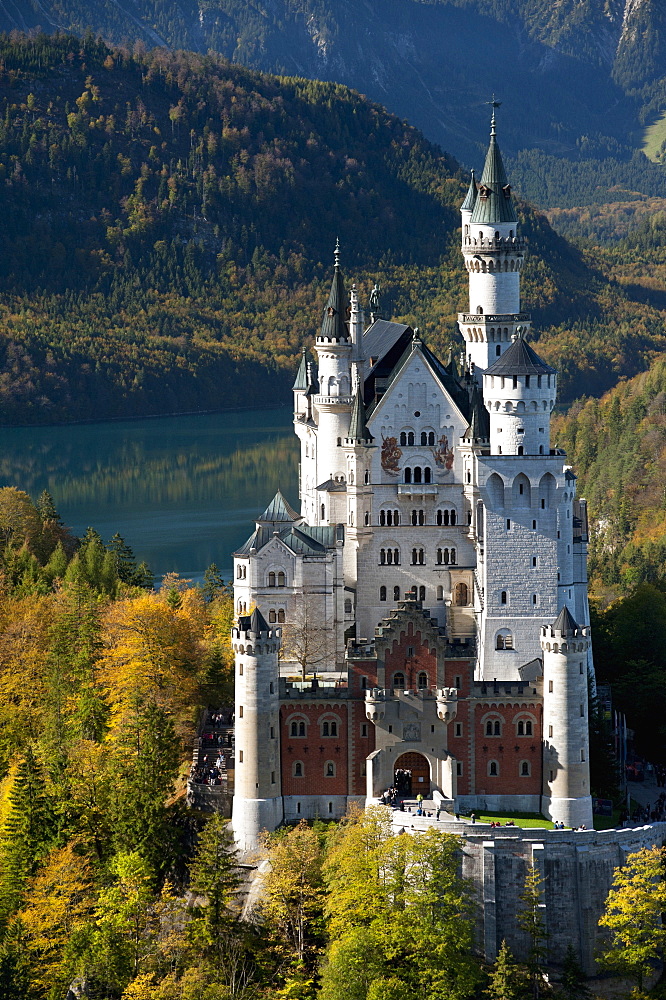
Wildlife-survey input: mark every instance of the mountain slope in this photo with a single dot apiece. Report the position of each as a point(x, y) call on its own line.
point(573, 76)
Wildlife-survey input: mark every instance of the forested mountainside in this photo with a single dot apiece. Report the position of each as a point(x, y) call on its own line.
point(168, 221)
point(578, 80)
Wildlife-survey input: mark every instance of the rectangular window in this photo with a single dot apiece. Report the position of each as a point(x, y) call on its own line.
point(459, 768)
point(410, 651)
point(240, 669)
point(272, 777)
point(390, 729)
point(240, 756)
point(508, 524)
point(550, 687)
point(534, 599)
point(533, 525)
point(550, 732)
point(581, 668)
point(552, 776)
point(240, 711)
point(272, 732)
point(582, 711)
point(458, 728)
point(363, 769)
point(364, 729)
point(534, 560)
point(457, 682)
point(432, 729)
point(582, 756)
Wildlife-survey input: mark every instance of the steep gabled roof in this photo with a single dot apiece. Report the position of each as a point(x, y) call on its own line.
point(520, 359)
point(494, 202)
point(299, 538)
point(565, 621)
point(278, 511)
point(478, 430)
point(380, 337)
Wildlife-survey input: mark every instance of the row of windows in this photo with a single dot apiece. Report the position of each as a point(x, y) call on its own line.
point(493, 769)
point(391, 557)
point(391, 518)
point(328, 726)
point(408, 438)
point(276, 616)
point(460, 595)
point(418, 474)
point(494, 727)
point(277, 580)
point(298, 770)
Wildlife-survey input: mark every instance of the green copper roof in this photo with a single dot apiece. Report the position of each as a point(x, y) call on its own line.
point(301, 382)
point(470, 197)
point(334, 325)
point(278, 510)
point(358, 430)
point(493, 201)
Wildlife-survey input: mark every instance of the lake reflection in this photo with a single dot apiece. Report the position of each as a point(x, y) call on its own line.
point(182, 491)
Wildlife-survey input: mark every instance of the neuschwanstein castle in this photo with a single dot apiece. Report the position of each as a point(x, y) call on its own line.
point(426, 609)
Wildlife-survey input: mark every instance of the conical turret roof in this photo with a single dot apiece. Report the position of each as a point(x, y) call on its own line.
point(358, 429)
point(254, 622)
point(278, 510)
point(301, 382)
point(565, 621)
point(470, 197)
point(494, 202)
point(520, 359)
point(479, 424)
point(334, 324)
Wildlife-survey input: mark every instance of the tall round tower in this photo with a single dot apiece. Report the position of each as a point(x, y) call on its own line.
point(257, 791)
point(494, 254)
point(519, 391)
point(334, 349)
point(566, 752)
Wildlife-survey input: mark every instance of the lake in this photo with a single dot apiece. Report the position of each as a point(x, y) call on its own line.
point(182, 491)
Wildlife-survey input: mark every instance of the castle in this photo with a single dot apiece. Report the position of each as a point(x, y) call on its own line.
point(425, 613)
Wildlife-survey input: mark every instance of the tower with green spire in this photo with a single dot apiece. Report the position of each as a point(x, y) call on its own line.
point(494, 253)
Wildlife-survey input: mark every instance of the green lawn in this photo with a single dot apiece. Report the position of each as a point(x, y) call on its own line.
point(519, 819)
point(653, 137)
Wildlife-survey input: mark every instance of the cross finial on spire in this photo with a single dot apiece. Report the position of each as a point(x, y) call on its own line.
point(493, 104)
point(336, 254)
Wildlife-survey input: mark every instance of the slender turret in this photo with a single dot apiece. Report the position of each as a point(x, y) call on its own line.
point(566, 767)
point(494, 255)
point(257, 791)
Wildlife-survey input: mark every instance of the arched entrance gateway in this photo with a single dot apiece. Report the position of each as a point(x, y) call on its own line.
point(411, 775)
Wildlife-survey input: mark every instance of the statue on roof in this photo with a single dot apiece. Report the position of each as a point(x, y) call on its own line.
point(375, 309)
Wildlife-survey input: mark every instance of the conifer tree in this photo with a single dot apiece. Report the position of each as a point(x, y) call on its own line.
point(573, 984)
point(46, 508)
point(506, 981)
point(530, 919)
point(27, 832)
point(214, 877)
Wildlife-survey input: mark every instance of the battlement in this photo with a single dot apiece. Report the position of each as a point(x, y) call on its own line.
point(496, 689)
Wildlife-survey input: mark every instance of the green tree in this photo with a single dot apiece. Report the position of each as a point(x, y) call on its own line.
point(506, 981)
point(530, 919)
point(633, 916)
point(293, 886)
point(215, 878)
point(573, 984)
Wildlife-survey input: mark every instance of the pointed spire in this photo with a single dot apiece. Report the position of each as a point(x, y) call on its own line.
point(565, 622)
point(334, 325)
point(470, 197)
point(278, 510)
point(301, 383)
point(358, 429)
point(479, 424)
point(494, 203)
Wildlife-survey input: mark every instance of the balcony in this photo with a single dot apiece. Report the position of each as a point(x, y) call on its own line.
point(417, 489)
point(507, 318)
point(333, 400)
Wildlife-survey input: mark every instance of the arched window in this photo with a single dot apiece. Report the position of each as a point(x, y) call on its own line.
point(298, 769)
point(421, 593)
point(408, 475)
point(504, 639)
point(524, 727)
point(280, 616)
point(399, 680)
point(272, 617)
point(271, 579)
point(396, 593)
point(281, 579)
point(403, 438)
point(453, 555)
point(426, 475)
point(461, 595)
point(417, 473)
point(410, 438)
point(440, 593)
point(324, 729)
point(493, 769)
point(503, 597)
point(525, 769)
point(424, 437)
point(431, 438)
point(366, 478)
point(495, 487)
point(329, 769)
point(382, 593)
point(301, 729)
point(366, 518)
point(422, 680)
point(294, 729)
